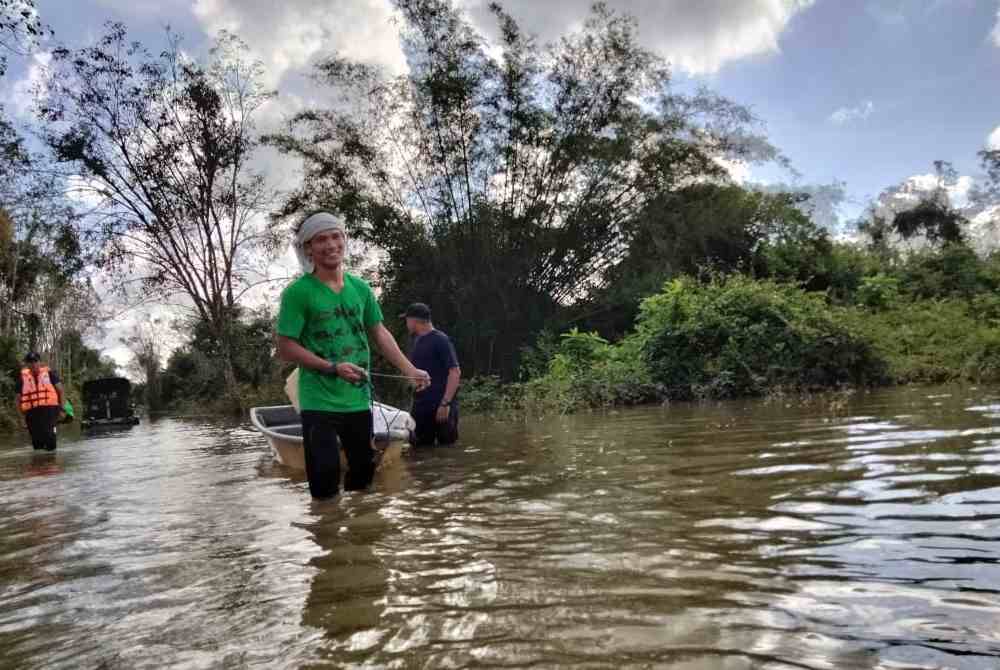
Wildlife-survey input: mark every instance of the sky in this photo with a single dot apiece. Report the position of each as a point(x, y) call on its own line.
point(864, 92)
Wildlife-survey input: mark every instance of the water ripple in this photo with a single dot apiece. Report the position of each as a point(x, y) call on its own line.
point(718, 536)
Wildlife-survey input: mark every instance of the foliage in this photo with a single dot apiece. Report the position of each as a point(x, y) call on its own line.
point(953, 270)
point(487, 394)
point(164, 144)
point(145, 345)
point(20, 28)
point(587, 371)
point(735, 336)
point(529, 168)
point(195, 372)
point(879, 291)
point(933, 341)
point(938, 223)
point(714, 228)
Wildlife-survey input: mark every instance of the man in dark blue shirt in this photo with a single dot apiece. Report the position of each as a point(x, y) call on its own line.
point(435, 409)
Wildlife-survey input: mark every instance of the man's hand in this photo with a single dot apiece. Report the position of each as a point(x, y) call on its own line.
point(351, 373)
point(443, 412)
point(420, 379)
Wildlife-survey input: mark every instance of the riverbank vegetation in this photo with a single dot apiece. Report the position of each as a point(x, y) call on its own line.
point(569, 215)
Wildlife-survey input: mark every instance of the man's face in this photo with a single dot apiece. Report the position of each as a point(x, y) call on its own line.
point(35, 366)
point(412, 325)
point(326, 249)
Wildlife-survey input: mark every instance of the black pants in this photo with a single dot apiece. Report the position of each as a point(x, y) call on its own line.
point(323, 434)
point(42, 427)
point(428, 429)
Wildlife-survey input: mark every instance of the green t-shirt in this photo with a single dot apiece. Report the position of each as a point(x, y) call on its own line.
point(335, 327)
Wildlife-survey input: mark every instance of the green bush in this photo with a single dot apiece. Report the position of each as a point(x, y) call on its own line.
point(934, 341)
point(954, 270)
point(487, 394)
point(737, 336)
point(587, 371)
point(879, 291)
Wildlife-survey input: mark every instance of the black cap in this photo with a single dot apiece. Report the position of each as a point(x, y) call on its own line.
point(417, 310)
point(32, 357)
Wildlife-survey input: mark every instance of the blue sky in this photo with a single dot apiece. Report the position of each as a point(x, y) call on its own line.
point(920, 77)
point(913, 80)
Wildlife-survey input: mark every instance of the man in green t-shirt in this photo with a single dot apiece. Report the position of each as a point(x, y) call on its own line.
point(326, 319)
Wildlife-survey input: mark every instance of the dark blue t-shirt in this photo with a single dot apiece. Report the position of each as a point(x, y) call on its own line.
point(434, 353)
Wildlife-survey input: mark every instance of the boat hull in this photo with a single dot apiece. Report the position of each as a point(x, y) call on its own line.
point(281, 426)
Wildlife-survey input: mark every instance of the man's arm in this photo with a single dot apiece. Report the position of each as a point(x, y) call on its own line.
point(451, 386)
point(291, 351)
point(386, 343)
point(60, 394)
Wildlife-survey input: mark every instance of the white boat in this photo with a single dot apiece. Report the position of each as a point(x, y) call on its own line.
point(282, 427)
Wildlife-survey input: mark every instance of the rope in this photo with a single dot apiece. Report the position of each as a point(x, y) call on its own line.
point(385, 376)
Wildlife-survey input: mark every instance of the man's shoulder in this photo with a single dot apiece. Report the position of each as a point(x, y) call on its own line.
point(299, 291)
point(302, 282)
point(357, 282)
point(441, 336)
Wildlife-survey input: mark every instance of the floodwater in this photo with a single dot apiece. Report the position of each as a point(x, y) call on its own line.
point(834, 533)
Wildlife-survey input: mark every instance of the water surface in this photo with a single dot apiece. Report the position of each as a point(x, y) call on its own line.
point(836, 533)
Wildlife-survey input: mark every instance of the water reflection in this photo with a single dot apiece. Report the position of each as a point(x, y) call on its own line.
point(347, 594)
point(786, 534)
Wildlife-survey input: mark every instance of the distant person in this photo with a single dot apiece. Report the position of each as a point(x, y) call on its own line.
point(326, 319)
point(40, 400)
point(435, 409)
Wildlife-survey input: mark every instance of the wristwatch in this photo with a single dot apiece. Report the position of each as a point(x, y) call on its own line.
point(445, 403)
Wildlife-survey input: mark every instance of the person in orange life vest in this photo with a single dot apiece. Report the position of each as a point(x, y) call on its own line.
point(40, 400)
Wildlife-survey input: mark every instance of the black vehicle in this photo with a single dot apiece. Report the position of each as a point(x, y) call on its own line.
point(108, 402)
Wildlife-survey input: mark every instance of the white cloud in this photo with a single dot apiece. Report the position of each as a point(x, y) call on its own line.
point(846, 115)
point(993, 141)
point(917, 187)
point(995, 33)
point(22, 91)
point(697, 37)
point(83, 192)
point(739, 171)
point(288, 36)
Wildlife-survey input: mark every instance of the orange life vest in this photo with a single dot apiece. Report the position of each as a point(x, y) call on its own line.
point(42, 394)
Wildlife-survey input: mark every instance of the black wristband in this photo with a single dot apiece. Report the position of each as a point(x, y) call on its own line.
point(332, 372)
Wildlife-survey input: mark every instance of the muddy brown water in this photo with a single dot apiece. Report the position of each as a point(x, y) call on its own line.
point(829, 534)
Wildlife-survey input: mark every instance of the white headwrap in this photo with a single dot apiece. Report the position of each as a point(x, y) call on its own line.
point(310, 228)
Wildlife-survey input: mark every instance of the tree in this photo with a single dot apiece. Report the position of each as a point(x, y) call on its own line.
point(20, 27)
point(707, 226)
point(147, 360)
point(936, 221)
point(165, 144)
point(913, 211)
point(501, 189)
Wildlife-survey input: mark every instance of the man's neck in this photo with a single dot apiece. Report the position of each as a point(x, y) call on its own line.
point(334, 276)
